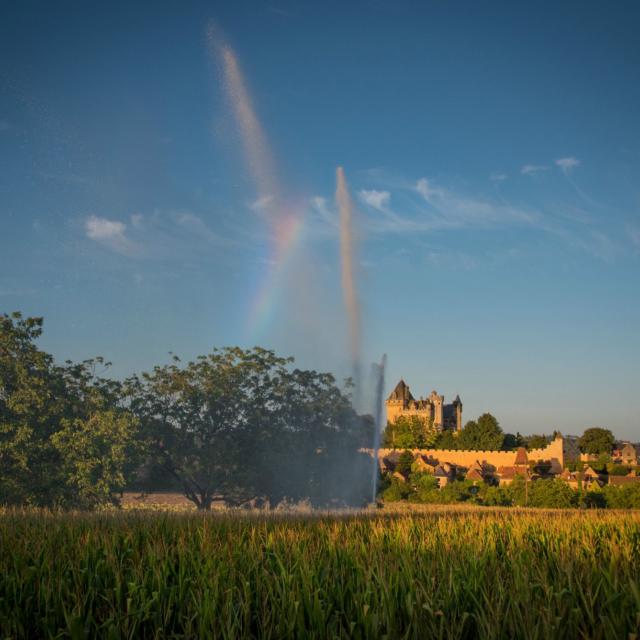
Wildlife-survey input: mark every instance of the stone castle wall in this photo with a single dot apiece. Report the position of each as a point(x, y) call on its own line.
point(553, 452)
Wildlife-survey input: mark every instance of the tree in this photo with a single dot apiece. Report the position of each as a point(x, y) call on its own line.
point(410, 432)
point(537, 441)
point(404, 463)
point(447, 440)
point(96, 454)
point(485, 434)
point(596, 441)
point(397, 490)
point(237, 425)
point(512, 442)
point(554, 493)
point(38, 401)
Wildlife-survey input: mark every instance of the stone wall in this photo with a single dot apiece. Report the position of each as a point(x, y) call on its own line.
point(553, 452)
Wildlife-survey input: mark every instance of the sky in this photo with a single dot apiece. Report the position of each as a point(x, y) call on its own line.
point(492, 153)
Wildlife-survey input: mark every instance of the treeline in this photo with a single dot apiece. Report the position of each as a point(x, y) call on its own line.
point(242, 426)
point(551, 493)
point(485, 434)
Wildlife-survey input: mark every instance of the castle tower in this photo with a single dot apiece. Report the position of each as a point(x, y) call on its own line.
point(398, 401)
point(457, 403)
point(437, 402)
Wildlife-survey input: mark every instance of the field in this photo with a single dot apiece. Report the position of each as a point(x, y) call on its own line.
point(428, 573)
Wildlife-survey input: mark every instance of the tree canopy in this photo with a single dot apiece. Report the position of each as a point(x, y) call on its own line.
point(484, 433)
point(240, 425)
point(63, 439)
point(596, 441)
point(410, 431)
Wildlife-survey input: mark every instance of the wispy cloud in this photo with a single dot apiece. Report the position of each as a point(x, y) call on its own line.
point(4, 125)
point(376, 199)
point(533, 169)
point(567, 164)
point(452, 209)
point(161, 235)
point(498, 177)
point(110, 233)
point(320, 206)
point(261, 204)
point(428, 206)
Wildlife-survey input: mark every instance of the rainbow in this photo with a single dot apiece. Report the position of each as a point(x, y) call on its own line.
point(288, 231)
point(285, 226)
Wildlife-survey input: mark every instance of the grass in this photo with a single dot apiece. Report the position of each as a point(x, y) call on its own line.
point(437, 572)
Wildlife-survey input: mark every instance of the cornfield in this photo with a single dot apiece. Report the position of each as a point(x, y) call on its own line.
point(429, 573)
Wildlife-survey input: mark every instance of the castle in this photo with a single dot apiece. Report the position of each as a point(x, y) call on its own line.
point(431, 409)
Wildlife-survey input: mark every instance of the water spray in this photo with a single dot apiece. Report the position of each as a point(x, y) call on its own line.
point(349, 292)
point(379, 374)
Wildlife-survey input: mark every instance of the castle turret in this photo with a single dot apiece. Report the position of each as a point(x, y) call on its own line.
point(437, 402)
point(457, 403)
point(398, 401)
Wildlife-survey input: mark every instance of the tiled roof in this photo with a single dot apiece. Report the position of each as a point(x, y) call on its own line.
point(521, 457)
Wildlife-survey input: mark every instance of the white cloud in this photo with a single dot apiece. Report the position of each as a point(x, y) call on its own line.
point(454, 210)
point(376, 199)
point(426, 189)
point(319, 205)
point(261, 203)
point(498, 177)
point(4, 125)
point(532, 169)
point(567, 164)
point(634, 234)
point(109, 233)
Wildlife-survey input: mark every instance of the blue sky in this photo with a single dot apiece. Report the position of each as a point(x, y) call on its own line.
point(493, 154)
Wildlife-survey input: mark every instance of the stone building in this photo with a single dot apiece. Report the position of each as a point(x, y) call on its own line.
point(432, 409)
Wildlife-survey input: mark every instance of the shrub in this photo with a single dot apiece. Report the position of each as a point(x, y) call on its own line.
point(396, 491)
point(495, 496)
point(554, 493)
point(618, 469)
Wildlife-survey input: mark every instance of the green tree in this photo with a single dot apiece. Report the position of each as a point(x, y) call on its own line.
point(405, 461)
point(447, 439)
point(457, 491)
point(396, 491)
point(553, 493)
point(424, 488)
point(492, 496)
point(411, 432)
point(512, 442)
point(537, 441)
point(96, 454)
point(483, 434)
point(596, 441)
point(618, 469)
point(39, 399)
point(238, 425)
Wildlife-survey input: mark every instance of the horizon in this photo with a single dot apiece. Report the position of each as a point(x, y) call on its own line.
point(492, 157)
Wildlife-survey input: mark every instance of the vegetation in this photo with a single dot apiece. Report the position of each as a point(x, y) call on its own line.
point(63, 438)
point(240, 426)
point(410, 432)
point(437, 573)
point(596, 441)
point(235, 425)
point(552, 493)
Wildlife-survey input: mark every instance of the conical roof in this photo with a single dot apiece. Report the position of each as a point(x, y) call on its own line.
point(401, 392)
point(521, 457)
